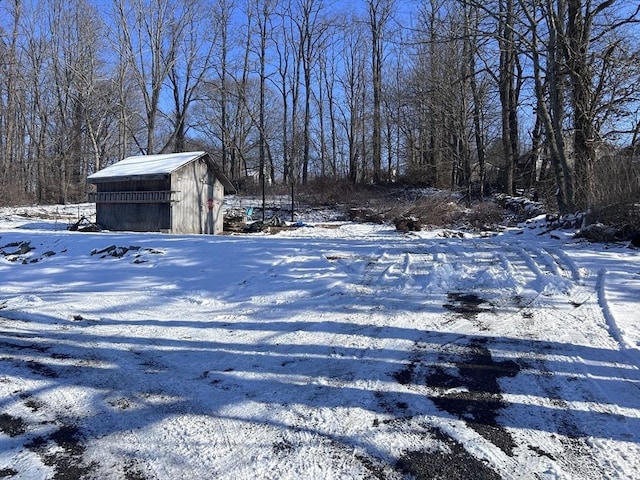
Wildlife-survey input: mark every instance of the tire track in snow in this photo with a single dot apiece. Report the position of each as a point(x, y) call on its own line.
point(589, 382)
point(565, 390)
point(562, 291)
point(551, 277)
point(585, 292)
point(614, 330)
point(548, 276)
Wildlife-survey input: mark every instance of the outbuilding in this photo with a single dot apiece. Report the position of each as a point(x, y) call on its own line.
point(172, 193)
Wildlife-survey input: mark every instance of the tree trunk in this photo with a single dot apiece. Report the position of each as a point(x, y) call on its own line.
point(508, 93)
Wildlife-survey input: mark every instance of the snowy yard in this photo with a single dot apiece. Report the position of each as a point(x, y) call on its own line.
point(330, 351)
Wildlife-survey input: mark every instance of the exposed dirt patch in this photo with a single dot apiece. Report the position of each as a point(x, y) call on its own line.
point(12, 426)
point(131, 472)
point(32, 403)
point(405, 376)
point(41, 369)
point(541, 452)
point(374, 468)
point(63, 451)
point(328, 226)
point(283, 447)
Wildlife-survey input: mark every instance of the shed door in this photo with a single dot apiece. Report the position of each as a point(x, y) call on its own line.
point(210, 206)
point(214, 211)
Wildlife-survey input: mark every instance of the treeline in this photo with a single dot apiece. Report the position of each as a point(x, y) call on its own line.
point(471, 95)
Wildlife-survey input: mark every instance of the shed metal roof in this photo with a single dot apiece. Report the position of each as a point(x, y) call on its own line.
point(146, 165)
point(156, 166)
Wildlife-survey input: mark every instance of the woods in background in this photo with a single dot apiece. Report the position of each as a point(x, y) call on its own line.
point(497, 95)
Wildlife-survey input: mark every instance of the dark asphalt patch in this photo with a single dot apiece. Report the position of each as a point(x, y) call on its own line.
point(464, 382)
point(466, 304)
point(453, 462)
point(471, 391)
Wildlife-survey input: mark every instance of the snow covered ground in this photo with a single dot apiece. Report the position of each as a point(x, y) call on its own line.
point(335, 350)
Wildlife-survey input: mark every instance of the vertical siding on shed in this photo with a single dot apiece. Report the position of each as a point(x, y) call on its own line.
point(214, 220)
point(218, 200)
point(187, 215)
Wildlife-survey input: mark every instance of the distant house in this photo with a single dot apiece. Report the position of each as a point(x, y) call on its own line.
point(172, 193)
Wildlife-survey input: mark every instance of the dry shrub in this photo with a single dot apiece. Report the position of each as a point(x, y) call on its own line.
point(485, 216)
point(11, 195)
point(436, 209)
point(408, 208)
point(617, 200)
point(328, 191)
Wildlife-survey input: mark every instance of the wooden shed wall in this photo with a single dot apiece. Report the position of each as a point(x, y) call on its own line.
point(136, 217)
point(190, 183)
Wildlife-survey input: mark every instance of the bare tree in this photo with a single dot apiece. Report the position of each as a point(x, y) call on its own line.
point(353, 82)
point(472, 16)
point(69, 106)
point(10, 135)
point(509, 87)
point(549, 87)
point(74, 28)
point(223, 11)
point(573, 67)
point(288, 87)
point(311, 30)
point(586, 49)
point(149, 34)
point(329, 72)
point(37, 88)
point(193, 51)
point(264, 10)
point(432, 100)
point(379, 15)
